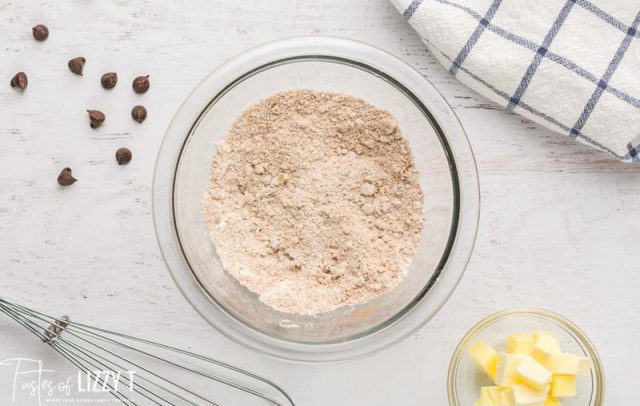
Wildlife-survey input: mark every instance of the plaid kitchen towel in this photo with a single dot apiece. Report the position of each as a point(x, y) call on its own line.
point(573, 66)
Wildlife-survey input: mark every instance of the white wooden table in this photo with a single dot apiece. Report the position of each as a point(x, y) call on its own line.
point(559, 224)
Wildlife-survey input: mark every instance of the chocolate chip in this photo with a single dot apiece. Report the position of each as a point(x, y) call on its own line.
point(123, 156)
point(40, 32)
point(76, 65)
point(139, 113)
point(141, 84)
point(20, 81)
point(96, 118)
point(65, 178)
point(109, 80)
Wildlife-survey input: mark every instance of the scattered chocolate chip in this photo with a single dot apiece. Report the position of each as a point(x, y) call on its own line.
point(123, 156)
point(141, 84)
point(109, 80)
point(96, 118)
point(139, 113)
point(76, 65)
point(20, 81)
point(65, 178)
point(40, 32)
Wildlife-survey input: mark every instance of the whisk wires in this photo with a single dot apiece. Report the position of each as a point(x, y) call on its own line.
point(93, 349)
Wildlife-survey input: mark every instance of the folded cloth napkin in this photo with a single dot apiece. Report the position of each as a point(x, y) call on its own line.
point(573, 66)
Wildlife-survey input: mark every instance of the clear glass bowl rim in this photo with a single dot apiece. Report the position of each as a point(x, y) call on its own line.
point(359, 53)
point(562, 321)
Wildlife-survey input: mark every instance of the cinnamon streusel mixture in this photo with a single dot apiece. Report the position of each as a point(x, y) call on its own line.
point(314, 201)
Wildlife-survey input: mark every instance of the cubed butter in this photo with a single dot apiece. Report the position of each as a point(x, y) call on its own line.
point(485, 358)
point(584, 368)
point(545, 347)
point(524, 395)
point(533, 373)
point(568, 364)
point(563, 386)
point(520, 343)
point(494, 396)
point(506, 369)
point(551, 401)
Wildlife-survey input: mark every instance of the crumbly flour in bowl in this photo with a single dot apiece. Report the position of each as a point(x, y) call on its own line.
point(314, 201)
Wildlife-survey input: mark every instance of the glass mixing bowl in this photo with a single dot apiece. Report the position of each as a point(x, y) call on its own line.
point(465, 380)
point(443, 158)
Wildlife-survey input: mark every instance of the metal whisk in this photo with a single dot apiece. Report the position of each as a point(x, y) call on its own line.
point(196, 379)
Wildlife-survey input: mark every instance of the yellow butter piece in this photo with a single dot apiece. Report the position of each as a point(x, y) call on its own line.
point(552, 402)
point(524, 395)
point(506, 369)
point(485, 358)
point(584, 368)
point(520, 343)
point(568, 364)
point(563, 386)
point(546, 345)
point(533, 373)
point(494, 396)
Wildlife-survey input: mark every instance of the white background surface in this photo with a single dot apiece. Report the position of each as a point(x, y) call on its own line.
point(558, 229)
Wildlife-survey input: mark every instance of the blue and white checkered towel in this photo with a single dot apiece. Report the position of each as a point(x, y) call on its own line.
point(573, 66)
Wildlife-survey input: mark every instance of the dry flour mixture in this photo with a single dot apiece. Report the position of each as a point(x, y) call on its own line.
point(314, 201)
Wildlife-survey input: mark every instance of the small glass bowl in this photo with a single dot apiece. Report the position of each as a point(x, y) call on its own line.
point(465, 380)
point(447, 176)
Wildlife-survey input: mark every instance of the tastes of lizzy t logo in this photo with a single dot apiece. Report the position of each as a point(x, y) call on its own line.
point(28, 379)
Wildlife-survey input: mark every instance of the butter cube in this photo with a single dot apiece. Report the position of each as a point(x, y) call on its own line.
point(533, 373)
point(568, 364)
point(485, 358)
point(524, 395)
point(584, 367)
point(545, 347)
point(552, 402)
point(494, 396)
point(506, 369)
point(563, 386)
point(520, 343)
